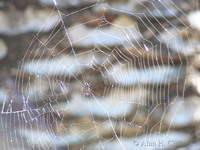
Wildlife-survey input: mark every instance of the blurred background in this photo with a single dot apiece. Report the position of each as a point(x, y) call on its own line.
point(99, 74)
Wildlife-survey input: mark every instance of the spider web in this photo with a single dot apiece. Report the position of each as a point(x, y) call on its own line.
point(82, 87)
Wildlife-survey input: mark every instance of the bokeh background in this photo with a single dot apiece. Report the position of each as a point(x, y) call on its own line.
point(110, 74)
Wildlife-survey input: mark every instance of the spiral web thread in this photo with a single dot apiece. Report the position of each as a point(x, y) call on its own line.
point(97, 78)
